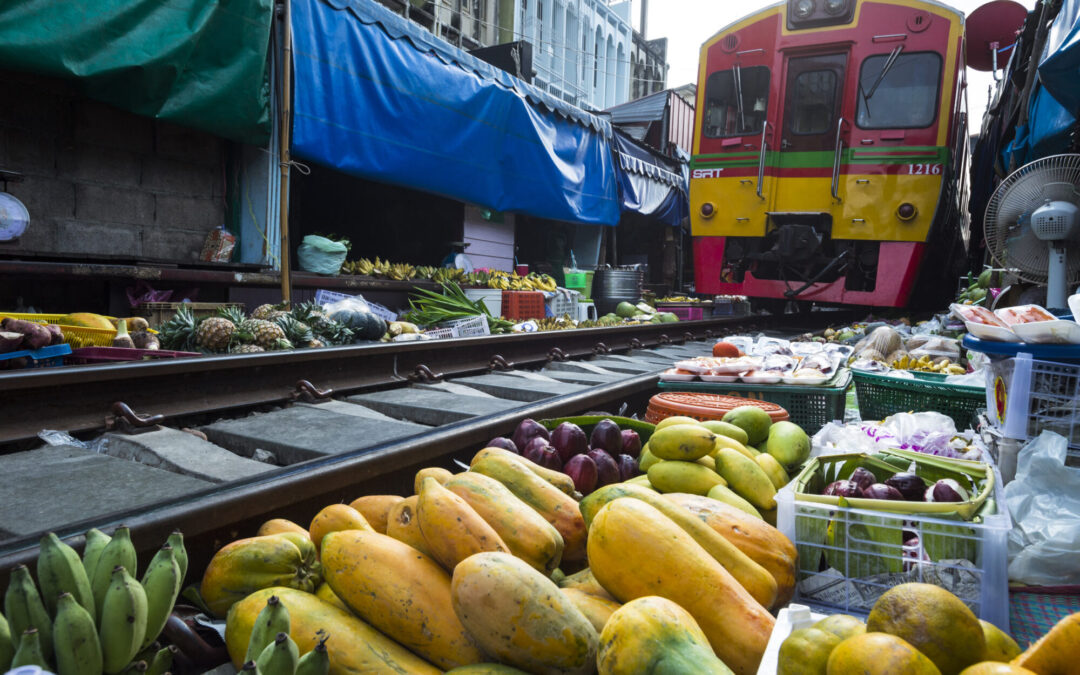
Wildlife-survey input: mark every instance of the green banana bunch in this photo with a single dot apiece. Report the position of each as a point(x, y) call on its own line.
point(96, 541)
point(59, 570)
point(75, 639)
point(7, 647)
point(136, 668)
point(317, 661)
point(25, 611)
point(279, 658)
point(162, 661)
point(123, 619)
point(272, 619)
point(119, 552)
point(176, 540)
point(161, 583)
point(30, 652)
point(249, 668)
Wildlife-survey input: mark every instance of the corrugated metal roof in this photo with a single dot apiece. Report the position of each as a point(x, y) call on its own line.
point(645, 109)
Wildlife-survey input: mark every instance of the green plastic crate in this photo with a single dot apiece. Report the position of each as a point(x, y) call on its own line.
point(880, 396)
point(811, 407)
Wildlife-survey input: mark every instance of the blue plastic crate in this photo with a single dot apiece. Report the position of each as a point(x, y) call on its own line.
point(46, 357)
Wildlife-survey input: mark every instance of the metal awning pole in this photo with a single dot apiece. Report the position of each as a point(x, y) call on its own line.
point(285, 139)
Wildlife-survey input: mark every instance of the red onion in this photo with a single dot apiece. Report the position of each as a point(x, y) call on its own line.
point(908, 484)
point(582, 470)
point(528, 430)
point(864, 478)
point(843, 488)
point(883, 491)
point(631, 443)
point(569, 440)
point(539, 451)
point(628, 467)
point(504, 443)
point(606, 436)
point(607, 471)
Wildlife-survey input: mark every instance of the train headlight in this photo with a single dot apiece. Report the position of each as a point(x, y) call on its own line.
point(802, 9)
point(835, 6)
point(708, 210)
point(906, 211)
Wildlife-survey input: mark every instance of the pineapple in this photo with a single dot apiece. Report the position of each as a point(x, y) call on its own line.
point(246, 349)
point(261, 311)
point(266, 333)
point(295, 331)
point(315, 343)
point(179, 331)
point(214, 334)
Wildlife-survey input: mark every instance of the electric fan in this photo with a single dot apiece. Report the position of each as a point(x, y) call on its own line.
point(1032, 225)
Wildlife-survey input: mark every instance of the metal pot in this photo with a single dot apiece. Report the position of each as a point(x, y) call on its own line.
point(610, 287)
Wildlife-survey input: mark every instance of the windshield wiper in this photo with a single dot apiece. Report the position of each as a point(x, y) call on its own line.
point(889, 63)
point(737, 73)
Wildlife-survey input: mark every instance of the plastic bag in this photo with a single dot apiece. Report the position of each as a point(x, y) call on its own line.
point(937, 347)
point(321, 255)
point(1044, 501)
point(927, 432)
point(54, 437)
point(353, 304)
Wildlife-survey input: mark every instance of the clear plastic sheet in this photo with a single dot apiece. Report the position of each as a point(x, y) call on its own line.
point(1044, 500)
point(927, 432)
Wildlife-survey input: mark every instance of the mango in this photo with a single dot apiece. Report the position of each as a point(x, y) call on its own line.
point(727, 429)
point(772, 469)
point(723, 493)
point(675, 476)
point(685, 442)
point(746, 478)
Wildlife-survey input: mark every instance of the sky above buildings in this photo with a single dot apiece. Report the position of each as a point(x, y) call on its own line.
point(688, 23)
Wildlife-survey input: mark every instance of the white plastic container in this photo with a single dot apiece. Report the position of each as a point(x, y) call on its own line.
point(791, 618)
point(971, 557)
point(1026, 396)
point(491, 297)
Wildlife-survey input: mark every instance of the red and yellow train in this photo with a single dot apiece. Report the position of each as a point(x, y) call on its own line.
point(830, 154)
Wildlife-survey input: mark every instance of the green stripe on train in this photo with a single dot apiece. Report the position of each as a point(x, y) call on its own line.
point(824, 159)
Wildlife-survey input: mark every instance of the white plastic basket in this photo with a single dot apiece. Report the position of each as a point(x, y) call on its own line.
point(562, 302)
point(474, 326)
point(1026, 396)
point(491, 297)
point(967, 558)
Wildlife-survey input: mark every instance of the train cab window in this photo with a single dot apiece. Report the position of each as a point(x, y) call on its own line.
point(899, 91)
point(812, 102)
point(736, 102)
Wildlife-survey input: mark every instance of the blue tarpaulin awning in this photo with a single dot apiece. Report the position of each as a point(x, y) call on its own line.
point(379, 97)
point(649, 184)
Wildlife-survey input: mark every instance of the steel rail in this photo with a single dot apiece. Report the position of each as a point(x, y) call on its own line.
point(79, 398)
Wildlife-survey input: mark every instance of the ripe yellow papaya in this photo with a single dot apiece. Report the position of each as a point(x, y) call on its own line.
point(437, 472)
point(751, 576)
point(486, 669)
point(524, 531)
point(763, 543)
point(401, 524)
point(279, 525)
point(399, 591)
point(596, 609)
point(354, 646)
point(654, 635)
point(452, 529)
point(1056, 652)
point(87, 320)
point(585, 582)
point(375, 509)
point(335, 518)
point(745, 477)
point(555, 506)
point(247, 565)
point(326, 594)
point(557, 478)
point(520, 617)
point(635, 550)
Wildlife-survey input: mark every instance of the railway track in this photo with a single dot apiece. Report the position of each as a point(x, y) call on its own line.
point(361, 420)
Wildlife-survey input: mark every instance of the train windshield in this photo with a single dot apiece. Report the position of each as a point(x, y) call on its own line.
point(736, 102)
point(899, 91)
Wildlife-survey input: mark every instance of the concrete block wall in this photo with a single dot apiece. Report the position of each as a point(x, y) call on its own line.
point(101, 181)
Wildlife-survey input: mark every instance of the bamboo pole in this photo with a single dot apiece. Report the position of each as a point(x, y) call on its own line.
point(284, 157)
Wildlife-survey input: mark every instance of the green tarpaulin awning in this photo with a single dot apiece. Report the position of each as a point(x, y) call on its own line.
point(199, 63)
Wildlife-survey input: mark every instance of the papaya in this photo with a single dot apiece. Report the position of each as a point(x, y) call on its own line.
point(755, 579)
point(399, 591)
point(401, 524)
point(745, 477)
point(452, 529)
point(1055, 653)
point(643, 481)
point(326, 594)
point(596, 609)
point(524, 531)
point(557, 478)
point(87, 320)
point(486, 669)
point(677, 476)
point(437, 472)
point(556, 507)
point(375, 509)
point(354, 646)
point(654, 635)
point(247, 565)
point(635, 551)
point(335, 518)
point(520, 617)
point(723, 493)
point(763, 543)
point(995, 668)
point(585, 582)
point(279, 525)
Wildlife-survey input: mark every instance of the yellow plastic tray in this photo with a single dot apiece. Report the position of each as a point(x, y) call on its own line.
point(76, 336)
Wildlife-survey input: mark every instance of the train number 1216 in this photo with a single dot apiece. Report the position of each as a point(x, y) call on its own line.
point(924, 169)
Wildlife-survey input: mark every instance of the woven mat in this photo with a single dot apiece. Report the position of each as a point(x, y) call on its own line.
point(1032, 615)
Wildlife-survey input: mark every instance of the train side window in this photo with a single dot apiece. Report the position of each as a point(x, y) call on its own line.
point(812, 102)
point(736, 102)
point(900, 95)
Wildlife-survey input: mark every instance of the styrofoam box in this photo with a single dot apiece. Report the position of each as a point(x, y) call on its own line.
point(789, 619)
point(969, 558)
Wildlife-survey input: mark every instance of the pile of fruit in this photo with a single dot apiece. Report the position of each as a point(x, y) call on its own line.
point(924, 630)
point(92, 616)
point(481, 278)
point(268, 328)
point(978, 288)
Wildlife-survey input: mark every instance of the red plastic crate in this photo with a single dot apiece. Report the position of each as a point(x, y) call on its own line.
point(522, 305)
point(684, 312)
point(88, 355)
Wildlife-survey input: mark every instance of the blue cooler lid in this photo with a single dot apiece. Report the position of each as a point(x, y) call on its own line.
point(1059, 353)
